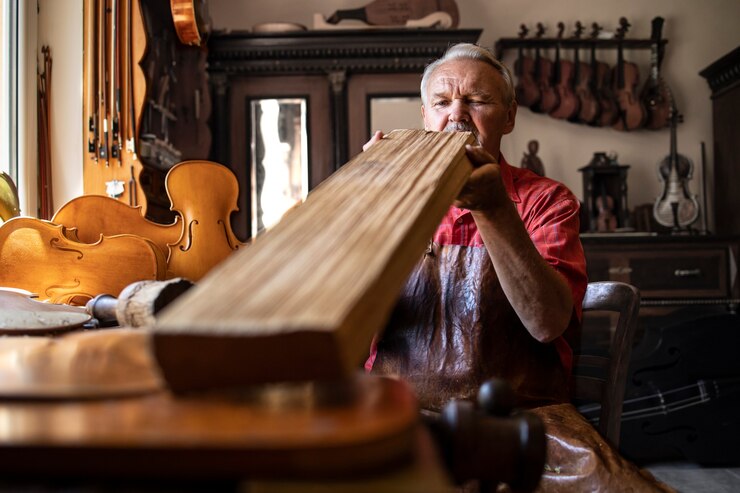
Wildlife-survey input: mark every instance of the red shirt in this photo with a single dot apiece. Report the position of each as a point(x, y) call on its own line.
point(550, 214)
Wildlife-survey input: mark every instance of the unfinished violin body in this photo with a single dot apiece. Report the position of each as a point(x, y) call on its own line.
point(204, 193)
point(38, 256)
point(96, 215)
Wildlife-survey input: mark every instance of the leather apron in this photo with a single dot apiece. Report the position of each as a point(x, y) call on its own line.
point(453, 328)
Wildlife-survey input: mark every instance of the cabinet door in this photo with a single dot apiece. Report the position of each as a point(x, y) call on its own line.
point(381, 102)
point(280, 145)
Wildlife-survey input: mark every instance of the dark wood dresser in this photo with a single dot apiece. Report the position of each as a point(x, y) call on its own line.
point(683, 390)
point(723, 77)
point(669, 270)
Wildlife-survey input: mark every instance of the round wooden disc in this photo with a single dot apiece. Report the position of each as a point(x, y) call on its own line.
point(20, 315)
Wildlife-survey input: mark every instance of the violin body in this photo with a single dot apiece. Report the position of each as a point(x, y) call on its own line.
point(206, 238)
point(631, 111)
point(190, 19)
point(656, 100)
point(608, 108)
point(606, 220)
point(626, 77)
point(38, 256)
point(548, 97)
point(675, 207)
point(655, 95)
point(589, 106)
point(527, 90)
point(568, 104)
point(94, 215)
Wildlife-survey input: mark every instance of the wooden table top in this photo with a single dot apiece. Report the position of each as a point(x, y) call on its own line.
point(277, 431)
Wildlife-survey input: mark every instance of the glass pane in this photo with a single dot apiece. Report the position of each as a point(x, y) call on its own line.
point(279, 168)
point(389, 113)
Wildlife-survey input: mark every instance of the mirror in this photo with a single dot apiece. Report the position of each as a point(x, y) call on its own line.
point(279, 168)
point(388, 113)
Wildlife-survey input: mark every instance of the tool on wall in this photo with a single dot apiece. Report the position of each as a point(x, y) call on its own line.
point(113, 44)
point(46, 201)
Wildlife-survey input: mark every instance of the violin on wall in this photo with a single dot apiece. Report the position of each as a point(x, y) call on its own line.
point(527, 91)
point(568, 102)
point(675, 207)
point(591, 92)
point(602, 86)
point(655, 95)
point(545, 80)
point(631, 111)
point(584, 83)
point(191, 20)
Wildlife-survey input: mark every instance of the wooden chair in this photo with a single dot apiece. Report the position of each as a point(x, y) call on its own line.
point(600, 373)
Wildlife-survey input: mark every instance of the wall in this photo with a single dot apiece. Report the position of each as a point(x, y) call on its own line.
point(698, 34)
point(60, 27)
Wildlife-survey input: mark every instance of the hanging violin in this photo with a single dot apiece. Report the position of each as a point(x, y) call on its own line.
point(675, 207)
point(631, 112)
point(527, 91)
point(544, 73)
point(656, 95)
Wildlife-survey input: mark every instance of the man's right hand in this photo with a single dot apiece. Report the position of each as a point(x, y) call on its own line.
point(375, 138)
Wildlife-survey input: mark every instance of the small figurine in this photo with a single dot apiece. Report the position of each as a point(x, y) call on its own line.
point(531, 161)
point(606, 222)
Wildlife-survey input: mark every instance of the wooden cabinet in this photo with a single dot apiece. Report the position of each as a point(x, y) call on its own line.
point(681, 399)
point(331, 78)
point(723, 77)
point(667, 269)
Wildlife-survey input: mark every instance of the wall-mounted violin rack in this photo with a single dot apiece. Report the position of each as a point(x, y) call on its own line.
point(595, 40)
point(587, 90)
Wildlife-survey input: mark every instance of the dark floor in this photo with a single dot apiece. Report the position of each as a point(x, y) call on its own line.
point(687, 477)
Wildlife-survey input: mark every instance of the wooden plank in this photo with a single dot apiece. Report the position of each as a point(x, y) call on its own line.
point(304, 301)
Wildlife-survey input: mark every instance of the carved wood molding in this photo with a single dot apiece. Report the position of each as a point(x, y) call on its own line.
point(723, 73)
point(319, 52)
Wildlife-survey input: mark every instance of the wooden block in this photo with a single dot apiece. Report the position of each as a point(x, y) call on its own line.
point(304, 301)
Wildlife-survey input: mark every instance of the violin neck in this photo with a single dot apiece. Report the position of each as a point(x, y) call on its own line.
point(620, 68)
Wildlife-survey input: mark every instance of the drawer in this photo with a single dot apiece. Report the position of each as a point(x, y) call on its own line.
point(670, 273)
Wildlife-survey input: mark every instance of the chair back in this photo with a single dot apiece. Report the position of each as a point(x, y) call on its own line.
point(600, 376)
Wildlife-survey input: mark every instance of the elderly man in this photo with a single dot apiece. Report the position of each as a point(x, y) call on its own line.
point(499, 290)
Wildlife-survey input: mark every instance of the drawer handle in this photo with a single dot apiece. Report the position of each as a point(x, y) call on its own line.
point(687, 272)
point(620, 270)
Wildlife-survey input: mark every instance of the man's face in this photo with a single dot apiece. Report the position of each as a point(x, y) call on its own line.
point(469, 95)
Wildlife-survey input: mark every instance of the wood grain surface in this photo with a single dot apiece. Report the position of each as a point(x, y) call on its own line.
point(364, 425)
point(305, 299)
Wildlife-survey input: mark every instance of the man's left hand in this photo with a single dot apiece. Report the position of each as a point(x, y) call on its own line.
point(484, 190)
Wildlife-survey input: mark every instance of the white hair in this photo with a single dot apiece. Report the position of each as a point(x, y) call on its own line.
point(468, 51)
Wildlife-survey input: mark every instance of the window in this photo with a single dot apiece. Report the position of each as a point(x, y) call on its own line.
point(9, 88)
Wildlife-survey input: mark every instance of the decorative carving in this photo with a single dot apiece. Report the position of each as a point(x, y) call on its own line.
point(318, 52)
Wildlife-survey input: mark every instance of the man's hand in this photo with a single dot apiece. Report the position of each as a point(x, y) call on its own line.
point(375, 138)
point(484, 190)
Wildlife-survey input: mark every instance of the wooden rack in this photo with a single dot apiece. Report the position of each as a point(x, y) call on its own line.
point(504, 44)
